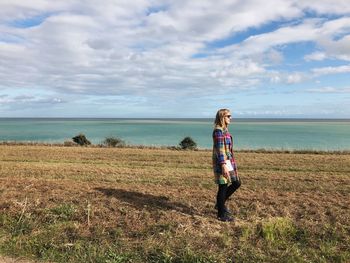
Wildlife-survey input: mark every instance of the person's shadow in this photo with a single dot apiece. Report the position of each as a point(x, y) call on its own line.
point(148, 201)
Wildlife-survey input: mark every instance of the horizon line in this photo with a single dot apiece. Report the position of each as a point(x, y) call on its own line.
point(176, 118)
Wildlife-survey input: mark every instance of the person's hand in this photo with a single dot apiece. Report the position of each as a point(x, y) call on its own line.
point(225, 171)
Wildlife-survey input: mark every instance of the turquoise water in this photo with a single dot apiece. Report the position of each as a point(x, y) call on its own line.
point(286, 134)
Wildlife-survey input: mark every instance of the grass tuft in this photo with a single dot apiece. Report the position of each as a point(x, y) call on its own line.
point(278, 229)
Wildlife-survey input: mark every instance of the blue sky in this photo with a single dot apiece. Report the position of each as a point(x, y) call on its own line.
point(162, 58)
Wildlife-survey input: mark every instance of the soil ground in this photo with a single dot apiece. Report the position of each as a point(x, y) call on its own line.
point(89, 204)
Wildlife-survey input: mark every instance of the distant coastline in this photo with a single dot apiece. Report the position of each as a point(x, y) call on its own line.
point(186, 119)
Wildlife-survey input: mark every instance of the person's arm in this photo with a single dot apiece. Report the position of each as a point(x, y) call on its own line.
point(219, 146)
point(233, 159)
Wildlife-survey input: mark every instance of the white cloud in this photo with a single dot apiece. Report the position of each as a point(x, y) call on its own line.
point(208, 20)
point(338, 7)
point(287, 78)
point(331, 70)
point(335, 27)
point(274, 56)
point(324, 33)
point(294, 78)
point(282, 36)
point(240, 69)
point(16, 9)
point(275, 78)
point(339, 49)
point(329, 90)
point(318, 56)
point(152, 49)
point(23, 102)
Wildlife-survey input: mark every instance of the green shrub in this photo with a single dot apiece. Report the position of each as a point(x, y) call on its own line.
point(113, 142)
point(81, 140)
point(188, 144)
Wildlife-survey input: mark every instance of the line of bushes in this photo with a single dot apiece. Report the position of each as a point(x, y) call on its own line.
point(186, 144)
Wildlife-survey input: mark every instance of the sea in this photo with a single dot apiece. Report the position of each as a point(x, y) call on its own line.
point(248, 134)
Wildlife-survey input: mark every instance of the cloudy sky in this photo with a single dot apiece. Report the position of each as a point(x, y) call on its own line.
point(167, 58)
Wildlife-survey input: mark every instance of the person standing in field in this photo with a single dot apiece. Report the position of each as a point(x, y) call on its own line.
point(224, 164)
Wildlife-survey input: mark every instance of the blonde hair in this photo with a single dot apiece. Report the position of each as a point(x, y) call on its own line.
point(220, 118)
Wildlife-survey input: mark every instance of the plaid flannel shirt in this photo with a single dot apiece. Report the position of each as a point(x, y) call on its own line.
point(222, 151)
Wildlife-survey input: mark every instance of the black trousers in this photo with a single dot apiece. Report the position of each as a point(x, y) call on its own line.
point(224, 193)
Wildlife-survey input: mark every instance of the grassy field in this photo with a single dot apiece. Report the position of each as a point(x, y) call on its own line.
point(89, 204)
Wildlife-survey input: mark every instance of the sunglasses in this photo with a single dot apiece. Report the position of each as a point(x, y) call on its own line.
point(228, 116)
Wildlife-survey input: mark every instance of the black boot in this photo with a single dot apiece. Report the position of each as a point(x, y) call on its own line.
point(227, 211)
point(225, 218)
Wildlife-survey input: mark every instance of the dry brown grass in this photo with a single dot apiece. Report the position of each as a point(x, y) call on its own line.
point(135, 205)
